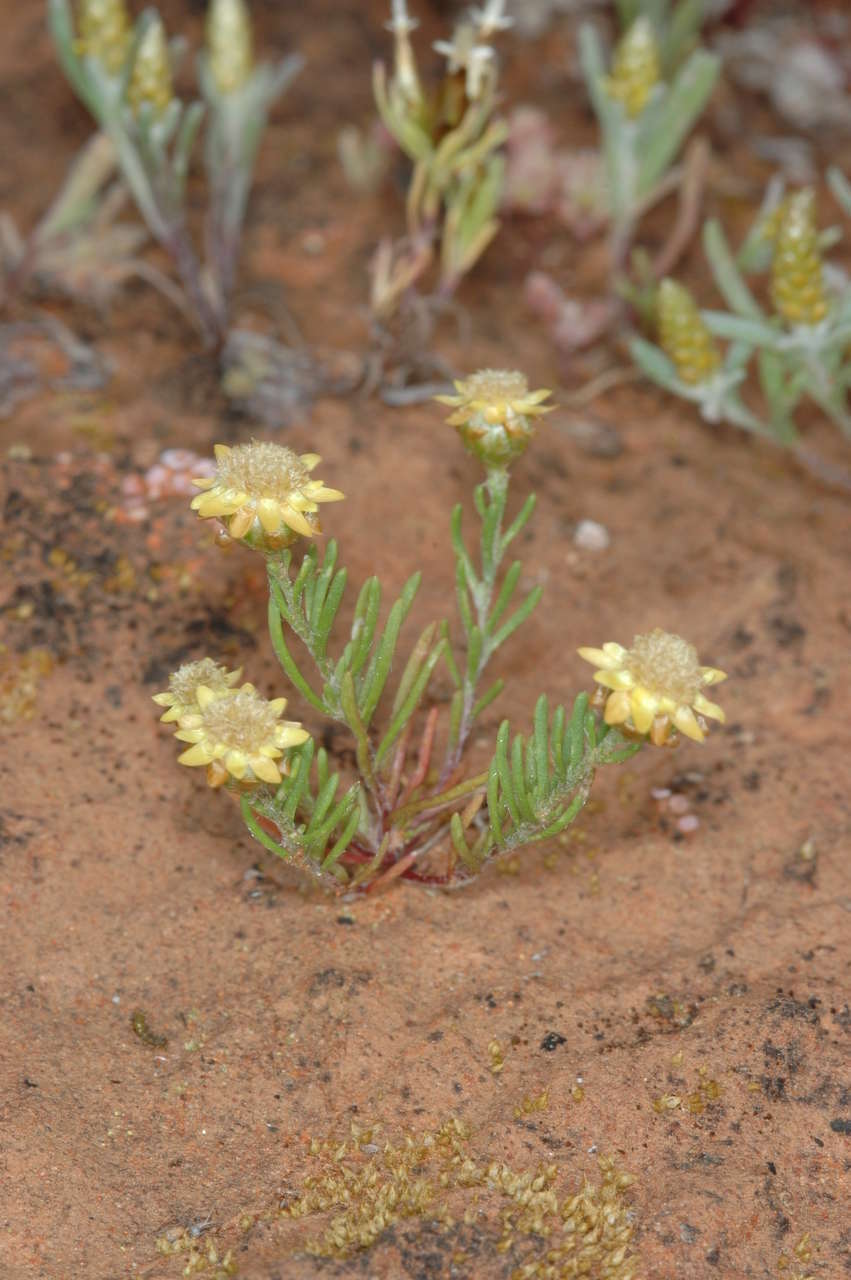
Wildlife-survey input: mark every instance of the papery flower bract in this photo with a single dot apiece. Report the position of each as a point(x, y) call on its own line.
point(796, 269)
point(263, 493)
point(181, 697)
point(229, 44)
point(150, 79)
point(683, 336)
point(104, 32)
point(405, 76)
point(494, 413)
point(656, 686)
point(464, 53)
point(635, 67)
point(238, 735)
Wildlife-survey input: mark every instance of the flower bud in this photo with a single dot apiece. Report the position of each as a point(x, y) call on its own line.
point(150, 81)
point(683, 335)
point(635, 67)
point(229, 44)
point(796, 273)
point(494, 414)
point(104, 32)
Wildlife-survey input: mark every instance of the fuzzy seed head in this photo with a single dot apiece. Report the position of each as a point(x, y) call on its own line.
point(230, 44)
point(264, 494)
point(150, 81)
point(244, 721)
point(666, 664)
point(104, 32)
point(683, 335)
point(239, 736)
point(635, 67)
point(796, 274)
point(181, 697)
point(262, 469)
point(655, 688)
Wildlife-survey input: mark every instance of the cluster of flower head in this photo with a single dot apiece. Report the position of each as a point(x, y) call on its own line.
point(105, 34)
point(263, 494)
point(232, 729)
point(655, 688)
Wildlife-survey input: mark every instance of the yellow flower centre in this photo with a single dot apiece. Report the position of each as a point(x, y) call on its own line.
point(186, 679)
point(242, 721)
point(666, 665)
point(262, 470)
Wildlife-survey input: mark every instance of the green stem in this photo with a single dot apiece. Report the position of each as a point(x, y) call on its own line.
point(480, 643)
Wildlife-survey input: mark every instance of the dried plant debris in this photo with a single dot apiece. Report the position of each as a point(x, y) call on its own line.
point(366, 1185)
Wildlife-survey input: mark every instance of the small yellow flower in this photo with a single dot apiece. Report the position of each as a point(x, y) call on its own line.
point(150, 80)
point(264, 494)
point(494, 413)
point(238, 735)
point(229, 44)
point(796, 271)
point(656, 686)
point(104, 32)
point(635, 67)
point(181, 697)
point(683, 336)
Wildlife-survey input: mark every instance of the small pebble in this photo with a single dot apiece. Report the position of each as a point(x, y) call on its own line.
point(591, 536)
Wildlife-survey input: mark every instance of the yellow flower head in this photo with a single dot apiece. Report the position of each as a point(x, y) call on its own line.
point(494, 413)
point(635, 67)
point(264, 494)
point(240, 735)
point(229, 44)
point(181, 697)
point(150, 81)
point(104, 32)
point(796, 271)
point(683, 336)
point(656, 686)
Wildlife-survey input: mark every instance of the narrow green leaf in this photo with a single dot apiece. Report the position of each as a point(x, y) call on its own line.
point(329, 611)
point(419, 653)
point(542, 744)
point(474, 654)
point(378, 671)
point(684, 102)
point(351, 710)
point(286, 659)
point(410, 704)
point(456, 712)
point(557, 742)
point(505, 594)
point(342, 843)
point(461, 554)
point(740, 329)
point(464, 610)
point(501, 760)
point(494, 803)
point(449, 656)
point(728, 278)
point(364, 624)
point(519, 522)
point(563, 821)
point(257, 831)
point(517, 618)
point(574, 738)
point(518, 780)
